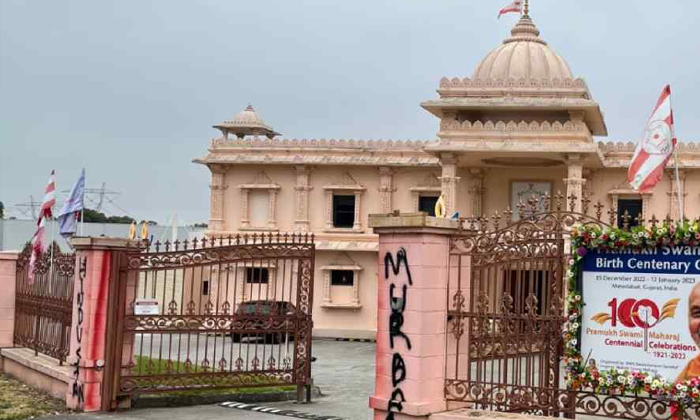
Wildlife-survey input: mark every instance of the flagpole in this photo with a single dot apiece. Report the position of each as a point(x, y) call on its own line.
point(674, 141)
point(82, 207)
point(53, 229)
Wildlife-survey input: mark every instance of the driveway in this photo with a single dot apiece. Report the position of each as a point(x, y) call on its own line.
point(344, 371)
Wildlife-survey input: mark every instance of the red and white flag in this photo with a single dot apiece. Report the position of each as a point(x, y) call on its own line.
point(49, 200)
point(37, 249)
point(655, 148)
point(516, 6)
point(45, 213)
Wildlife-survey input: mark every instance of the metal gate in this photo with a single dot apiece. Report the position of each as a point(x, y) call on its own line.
point(506, 310)
point(230, 312)
point(44, 301)
point(506, 314)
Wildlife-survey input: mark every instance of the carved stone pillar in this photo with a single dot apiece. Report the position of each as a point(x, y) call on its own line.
point(476, 191)
point(449, 181)
point(588, 175)
point(329, 209)
point(356, 287)
point(326, 286)
point(615, 201)
point(218, 190)
point(574, 182)
point(301, 190)
point(386, 189)
point(674, 209)
point(271, 210)
point(357, 224)
point(245, 220)
point(646, 197)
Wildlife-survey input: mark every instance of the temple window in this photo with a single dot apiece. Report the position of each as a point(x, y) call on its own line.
point(343, 205)
point(634, 210)
point(343, 211)
point(426, 204)
point(205, 288)
point(624, 198)
point(342, 278)
point(257, 275)
point(259, 203)
point(520, 284)
point(341, 284)
point(426, 193)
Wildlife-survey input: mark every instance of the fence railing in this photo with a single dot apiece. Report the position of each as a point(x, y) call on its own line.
point(44, 304)
point(223, 312)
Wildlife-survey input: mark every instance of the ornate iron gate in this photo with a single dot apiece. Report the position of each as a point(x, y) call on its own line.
point(507, 288)
point(507, 324)
point(44, 303)
point(225, 313)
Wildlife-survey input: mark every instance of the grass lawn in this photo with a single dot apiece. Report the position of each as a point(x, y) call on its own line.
point(19, 401)
point(159, 367)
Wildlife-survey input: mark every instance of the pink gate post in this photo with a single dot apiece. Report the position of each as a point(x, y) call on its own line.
point(412, 344)
point(8, 282)
point(93, 349)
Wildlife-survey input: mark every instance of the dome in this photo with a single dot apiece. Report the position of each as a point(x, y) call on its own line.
point(246, 122)
point(523, 56)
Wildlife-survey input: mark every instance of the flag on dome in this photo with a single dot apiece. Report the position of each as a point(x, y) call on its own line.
point(49, 200)
point(516, 6)
point(655, 148)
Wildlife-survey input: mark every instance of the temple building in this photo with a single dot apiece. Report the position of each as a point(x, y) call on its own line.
point(522, 125)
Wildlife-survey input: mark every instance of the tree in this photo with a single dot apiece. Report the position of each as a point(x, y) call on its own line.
point(94, 216)
point(201, 225)
point(2, 210)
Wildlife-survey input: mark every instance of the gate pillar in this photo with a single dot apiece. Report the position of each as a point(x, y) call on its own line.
point(411, 319)
point(8, 282)
point(94, 329)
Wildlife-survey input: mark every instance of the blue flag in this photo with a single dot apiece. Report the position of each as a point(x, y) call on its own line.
point(67, 218)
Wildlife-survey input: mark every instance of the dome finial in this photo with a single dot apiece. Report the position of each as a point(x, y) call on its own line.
point(526, 10)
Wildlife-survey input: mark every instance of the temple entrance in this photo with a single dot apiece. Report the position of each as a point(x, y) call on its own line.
point(507, 325)
point(232, 312)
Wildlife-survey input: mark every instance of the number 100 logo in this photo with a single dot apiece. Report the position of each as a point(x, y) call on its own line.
point(633, 313)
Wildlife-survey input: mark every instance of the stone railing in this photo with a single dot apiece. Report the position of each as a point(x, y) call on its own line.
point(321, 143)
point(545, 126)
point(468, 83)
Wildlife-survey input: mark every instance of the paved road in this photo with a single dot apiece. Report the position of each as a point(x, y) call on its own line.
point(344, 371)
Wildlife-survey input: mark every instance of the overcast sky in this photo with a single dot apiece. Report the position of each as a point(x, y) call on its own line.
point(130, 88)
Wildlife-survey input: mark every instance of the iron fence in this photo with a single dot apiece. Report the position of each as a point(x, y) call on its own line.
point(226, 312)
point(44, 304)
point(506, 313)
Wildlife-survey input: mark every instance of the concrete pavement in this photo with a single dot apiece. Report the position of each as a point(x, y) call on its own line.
point(344, 371)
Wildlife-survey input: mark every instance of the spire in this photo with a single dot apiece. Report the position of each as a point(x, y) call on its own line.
point(525, 29)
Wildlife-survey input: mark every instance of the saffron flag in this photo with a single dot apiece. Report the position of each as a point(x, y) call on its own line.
point(516, 6)
point(68, 217)
point(37, 249)
point(655, 148)
point(49, 200)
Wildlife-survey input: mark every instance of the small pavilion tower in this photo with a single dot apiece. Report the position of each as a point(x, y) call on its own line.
point(246, 123)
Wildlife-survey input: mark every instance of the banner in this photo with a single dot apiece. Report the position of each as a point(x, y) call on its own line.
point(642, 310)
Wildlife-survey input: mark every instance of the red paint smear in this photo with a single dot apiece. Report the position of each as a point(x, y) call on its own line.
point(96, 350)
point(93, 401)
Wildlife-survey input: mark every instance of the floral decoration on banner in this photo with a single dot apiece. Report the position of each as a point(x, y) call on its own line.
point(579, 377)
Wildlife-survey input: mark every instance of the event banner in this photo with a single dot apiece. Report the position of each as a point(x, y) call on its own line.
point(637, 309)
